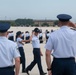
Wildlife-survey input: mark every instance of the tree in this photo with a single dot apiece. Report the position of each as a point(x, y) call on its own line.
point(45, 24)
point(55, 22)
point(29, 22)
point(24, 22)
point(12, 23)
point(20, 22)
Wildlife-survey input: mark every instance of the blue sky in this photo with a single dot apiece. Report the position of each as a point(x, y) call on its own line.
point(36, 9)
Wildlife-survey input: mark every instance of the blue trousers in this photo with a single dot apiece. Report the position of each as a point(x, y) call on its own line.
point(27, 38)
point(63, 66)
point(11, 38)
point(37, 60)
point(23, 37)
point(7, 71)
point(22, 58)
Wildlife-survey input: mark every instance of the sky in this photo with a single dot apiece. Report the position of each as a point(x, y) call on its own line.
point(36, 9)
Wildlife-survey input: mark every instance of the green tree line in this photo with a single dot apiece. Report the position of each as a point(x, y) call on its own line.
point(27, 22)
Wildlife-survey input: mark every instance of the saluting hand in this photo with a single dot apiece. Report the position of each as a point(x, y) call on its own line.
point(71, 24)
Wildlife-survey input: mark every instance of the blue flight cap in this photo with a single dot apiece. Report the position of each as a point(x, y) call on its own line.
point(64, 17)
point(36, 30)
point(18, 33)
point(4, 27)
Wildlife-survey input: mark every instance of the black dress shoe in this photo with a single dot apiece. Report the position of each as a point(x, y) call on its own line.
point(23, 71)
point(26, 71)
point(43, 73)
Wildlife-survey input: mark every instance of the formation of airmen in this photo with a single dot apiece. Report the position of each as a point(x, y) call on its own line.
point(26, 36)
point(60, 44)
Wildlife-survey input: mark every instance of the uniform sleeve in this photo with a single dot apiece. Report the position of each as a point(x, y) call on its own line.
point(16, 52)
point(19, 39)
point(49, 44)
point(33, 39)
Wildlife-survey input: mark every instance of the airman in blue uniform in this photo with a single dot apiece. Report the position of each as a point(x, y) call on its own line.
point(62, 43)
point(21, 49)
point(8, 52)
point(37, 53)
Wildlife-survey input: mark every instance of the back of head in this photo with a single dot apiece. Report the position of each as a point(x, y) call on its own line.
point(18, 34)
point(36, 30)
point(4, 27)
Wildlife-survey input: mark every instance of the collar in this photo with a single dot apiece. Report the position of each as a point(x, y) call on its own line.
point(3, 37)
point(63, 27)
point(35, 36)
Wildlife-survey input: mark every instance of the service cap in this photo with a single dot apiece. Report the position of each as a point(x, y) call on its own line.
point(64, 17)
point(4, 27)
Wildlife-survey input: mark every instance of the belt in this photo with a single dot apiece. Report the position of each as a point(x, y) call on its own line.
point(9, 67)
point(36, 48)
point(70, 58)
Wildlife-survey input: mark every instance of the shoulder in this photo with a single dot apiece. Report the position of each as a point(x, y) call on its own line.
point(55, 33)
point(19, 39)
point(11, 43)
point(34, 38)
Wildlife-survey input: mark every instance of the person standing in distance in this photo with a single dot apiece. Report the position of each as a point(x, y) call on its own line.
point(36, 52)
point(63, 44)
point(8, 52)
point(47, 36)
point(41, 37)
point(11, 35)
point(22, 35)
point(21, 49)
point(27, 36)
